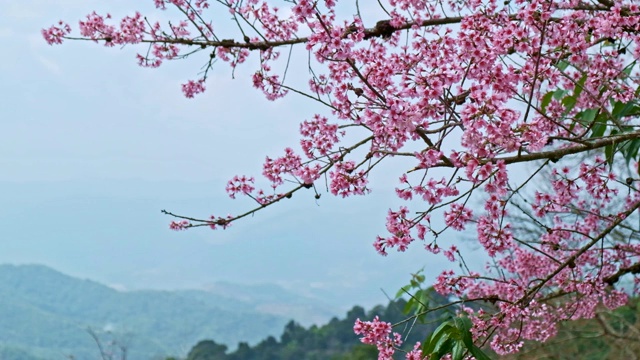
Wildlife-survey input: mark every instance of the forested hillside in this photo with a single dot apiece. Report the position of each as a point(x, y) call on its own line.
point(335, 340)
point(612, 335)
point(48, 315)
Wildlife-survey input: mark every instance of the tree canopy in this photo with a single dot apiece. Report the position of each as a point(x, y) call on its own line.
point(334, 340)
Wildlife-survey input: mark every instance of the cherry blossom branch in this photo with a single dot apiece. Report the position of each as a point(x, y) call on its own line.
point(570, 261)
point(382, 29)
point(612, 279)
point(450, 304)
point(555, 155)
point(569, 68)
point(287, 195)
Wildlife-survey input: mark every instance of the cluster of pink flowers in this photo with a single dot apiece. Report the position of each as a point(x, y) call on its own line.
point(458, 216)
point(56, 33)
point(318, 136)
point(400, 228)
point(428, 158)
point(191, 88)
point(469, 91)
point(179, 225)
point(378, 333)
point(346, 181)
point(274, 169)
point(240, 185)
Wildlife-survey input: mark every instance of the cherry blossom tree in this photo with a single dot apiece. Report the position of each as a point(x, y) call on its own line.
point(485, 99)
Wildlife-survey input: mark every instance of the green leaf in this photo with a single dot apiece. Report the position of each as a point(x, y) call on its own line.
point(454, 337)
point(478, 353)
point(579, 87)
point(441, 331)
point(559, 94)
point(627, 70)
point(423, 305)
point(403, 290)
point(467, 339)
point(569, 102)
point(463, 323)
point(422, 318)
point(562, 65)
point(587, 116)
point(546, 99)
point(444, 347)
point(436, 336)
point(599, 126)
point(408, 307)
point(458, 351)
point(609, 152)
point(630, 150)
point(621, 109)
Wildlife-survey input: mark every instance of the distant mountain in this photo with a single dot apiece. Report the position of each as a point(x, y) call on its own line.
point(47, 315)
point(265, 299)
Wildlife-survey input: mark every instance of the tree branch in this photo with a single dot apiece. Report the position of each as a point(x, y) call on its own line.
point(571, 259)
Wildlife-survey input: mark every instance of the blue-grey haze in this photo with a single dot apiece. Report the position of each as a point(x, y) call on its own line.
point(92, 147)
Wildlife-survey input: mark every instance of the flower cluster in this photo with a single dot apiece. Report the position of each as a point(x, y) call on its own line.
point(240, 185)
point(319, 137)
point(179, 225)
point(378, 333)
point(346, 181)
point(55, 34)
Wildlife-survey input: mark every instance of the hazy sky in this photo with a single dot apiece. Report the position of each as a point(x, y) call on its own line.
point(92, 147)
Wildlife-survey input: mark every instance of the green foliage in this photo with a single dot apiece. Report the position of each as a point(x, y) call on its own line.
point(418, 305)
point(600, 122)
point(359, 352)
point(32, 326)
point(453, 336)
point(336, 340)
point(207, 350)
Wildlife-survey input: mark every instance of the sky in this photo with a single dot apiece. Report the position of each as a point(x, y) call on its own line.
point(92, 147)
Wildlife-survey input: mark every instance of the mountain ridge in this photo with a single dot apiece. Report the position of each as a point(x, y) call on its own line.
point(48, 313)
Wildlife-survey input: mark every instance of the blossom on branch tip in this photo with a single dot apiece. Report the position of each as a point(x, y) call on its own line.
point(192, 88)
point(179, 225)
point(240, 185)
point(55, 34)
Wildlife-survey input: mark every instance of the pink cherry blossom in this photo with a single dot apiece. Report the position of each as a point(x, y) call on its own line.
point(378, 333)
point(461, 95)
point(191, 88)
